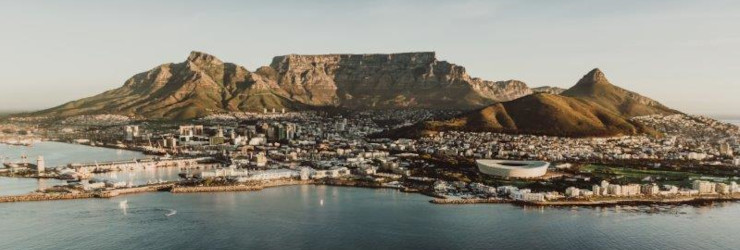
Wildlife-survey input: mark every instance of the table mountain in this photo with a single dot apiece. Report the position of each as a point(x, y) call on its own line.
point(203, 85)
point(388, 81)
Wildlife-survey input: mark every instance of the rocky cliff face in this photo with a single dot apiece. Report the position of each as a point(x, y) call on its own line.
point(387, 80)
point(203, 85)
point(548, 90)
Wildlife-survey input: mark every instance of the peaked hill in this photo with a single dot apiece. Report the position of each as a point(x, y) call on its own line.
point(594, 87)
point(593, 107)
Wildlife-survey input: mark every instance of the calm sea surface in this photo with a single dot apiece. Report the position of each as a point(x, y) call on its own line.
point(735, 121)
point(60, 154)
point(320, 217)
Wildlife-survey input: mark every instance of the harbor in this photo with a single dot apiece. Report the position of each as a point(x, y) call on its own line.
point(112, 178)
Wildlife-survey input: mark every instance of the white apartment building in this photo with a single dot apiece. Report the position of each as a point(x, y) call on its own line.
point(704, 187)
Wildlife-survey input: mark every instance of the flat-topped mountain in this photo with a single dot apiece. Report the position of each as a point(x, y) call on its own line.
point(388, 81)
point(593, 107)
point(203, 85)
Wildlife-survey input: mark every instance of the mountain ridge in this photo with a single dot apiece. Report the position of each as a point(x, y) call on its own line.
point(592, 107)
point(203, 85)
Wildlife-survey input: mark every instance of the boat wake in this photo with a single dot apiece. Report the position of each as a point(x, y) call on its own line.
point(123, 205)
point(171, 213)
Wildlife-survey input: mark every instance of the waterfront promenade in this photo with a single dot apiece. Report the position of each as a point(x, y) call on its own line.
point(610, 201)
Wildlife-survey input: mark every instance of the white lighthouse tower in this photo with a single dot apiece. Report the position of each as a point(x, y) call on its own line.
point(40, 164)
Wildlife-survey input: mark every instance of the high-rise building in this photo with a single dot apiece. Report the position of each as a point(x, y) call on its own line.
point(650, 189)
point(704, 187)
point(191, 130)
point(596, 189)
point(131, 132)
point(722, 188)
point(631, 190)
point(572, 192)
point(169, 142)
point(282, 133)
point(615, 189)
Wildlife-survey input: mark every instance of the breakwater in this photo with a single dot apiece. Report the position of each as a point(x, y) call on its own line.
point(469, 201)
point(238, 188)
point(133, 190)
point(85, 195)
point(187, 189)
point(45, 197)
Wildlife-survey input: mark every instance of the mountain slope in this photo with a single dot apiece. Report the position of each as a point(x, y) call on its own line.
point(203, 85)
point(541, 114)
point(593, 107)
point(199, 86)
point(596, 88)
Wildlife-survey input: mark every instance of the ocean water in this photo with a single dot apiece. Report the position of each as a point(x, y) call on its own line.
point(322, 217)
point(60, 154)
point(16, 186)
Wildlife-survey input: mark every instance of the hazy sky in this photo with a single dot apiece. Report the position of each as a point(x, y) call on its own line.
point(685, 54)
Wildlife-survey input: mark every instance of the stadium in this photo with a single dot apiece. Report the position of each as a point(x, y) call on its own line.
point(512, 169)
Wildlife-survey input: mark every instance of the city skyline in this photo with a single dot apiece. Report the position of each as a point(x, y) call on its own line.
point(679, 53)
point(376, 124)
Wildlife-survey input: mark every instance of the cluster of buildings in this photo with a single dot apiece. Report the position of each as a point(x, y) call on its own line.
point(276, 144)
point(548, 148)
point(699, 187)
point(478, 190)
point(244, 175)
point(605, 189)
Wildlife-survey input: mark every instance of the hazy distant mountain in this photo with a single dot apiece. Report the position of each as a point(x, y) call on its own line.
point(593, 107)
point(204, 85)
point(548, 90)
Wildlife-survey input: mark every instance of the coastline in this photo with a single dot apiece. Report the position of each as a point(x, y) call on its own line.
point(599, 203)
point(175, 188)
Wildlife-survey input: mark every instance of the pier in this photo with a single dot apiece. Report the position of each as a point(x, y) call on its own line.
point(86, 195)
